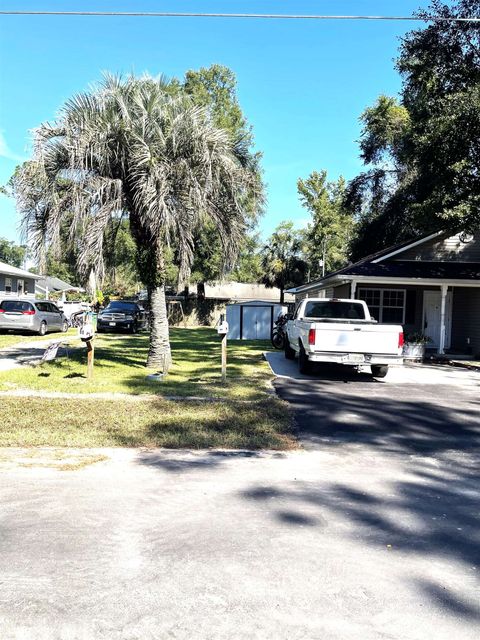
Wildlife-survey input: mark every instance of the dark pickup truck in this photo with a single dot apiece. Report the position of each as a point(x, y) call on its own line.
point(122, 315)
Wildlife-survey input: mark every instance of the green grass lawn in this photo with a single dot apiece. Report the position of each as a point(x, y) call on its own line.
point(11, 339)
point(120, 368)
point(224, 419)
point(154, 423)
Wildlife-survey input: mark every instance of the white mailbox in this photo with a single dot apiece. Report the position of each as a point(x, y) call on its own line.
point(222, 328)
point(86, 332)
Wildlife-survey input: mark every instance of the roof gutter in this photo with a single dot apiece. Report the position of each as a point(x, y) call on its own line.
point(322, 284)
point(432, 236)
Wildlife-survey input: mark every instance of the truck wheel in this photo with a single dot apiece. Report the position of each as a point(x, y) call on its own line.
point(379, 370)
point(304, 364)
point(289, 352)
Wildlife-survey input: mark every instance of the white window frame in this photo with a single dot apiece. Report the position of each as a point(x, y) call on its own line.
point(381, 306)
point(8, 283)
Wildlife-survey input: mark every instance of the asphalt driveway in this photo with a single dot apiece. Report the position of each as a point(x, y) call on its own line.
point(416, 409)
point(371, 531)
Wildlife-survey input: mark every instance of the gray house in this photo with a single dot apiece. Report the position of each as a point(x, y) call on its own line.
point(16, 283)
point(430, 286)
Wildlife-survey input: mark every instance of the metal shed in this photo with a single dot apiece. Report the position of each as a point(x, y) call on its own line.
point(252, 320)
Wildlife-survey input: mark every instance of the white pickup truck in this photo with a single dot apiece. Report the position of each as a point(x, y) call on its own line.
point(341, 331)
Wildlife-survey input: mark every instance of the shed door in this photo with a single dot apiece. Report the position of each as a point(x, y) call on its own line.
point(257, 323)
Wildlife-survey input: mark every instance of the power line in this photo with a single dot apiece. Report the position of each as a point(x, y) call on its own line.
point(258, 16)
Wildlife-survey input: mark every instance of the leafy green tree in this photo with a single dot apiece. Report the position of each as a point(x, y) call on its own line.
point(215, 88)
point(424, 148)
point(327, 237)
point(282, 264)
point(248, 267)
point(129, 147)
point(11, 253)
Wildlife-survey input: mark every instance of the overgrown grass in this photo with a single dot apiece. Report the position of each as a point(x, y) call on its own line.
point(153, 423)
point(120, 368)
point(241, 414)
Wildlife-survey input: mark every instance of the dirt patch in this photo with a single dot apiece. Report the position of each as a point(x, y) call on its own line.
point(46, 458)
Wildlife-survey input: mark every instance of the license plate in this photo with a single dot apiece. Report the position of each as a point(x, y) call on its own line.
point(354, 358)
point(112, 324)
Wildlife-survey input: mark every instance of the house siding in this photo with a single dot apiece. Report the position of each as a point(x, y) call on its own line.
point(466, 319)
point(29, 283)
point(450, 248)
point(343, 291)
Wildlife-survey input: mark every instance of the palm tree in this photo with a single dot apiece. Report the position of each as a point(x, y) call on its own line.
point(133, 149)
point(281, 262)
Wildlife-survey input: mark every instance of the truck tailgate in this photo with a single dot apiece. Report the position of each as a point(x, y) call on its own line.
point(357, 338)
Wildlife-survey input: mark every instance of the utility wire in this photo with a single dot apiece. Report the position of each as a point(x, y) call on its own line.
point(261, 16)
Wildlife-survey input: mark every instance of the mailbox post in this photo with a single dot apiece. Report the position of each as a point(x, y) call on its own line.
point(222, 330)
point(86, 333)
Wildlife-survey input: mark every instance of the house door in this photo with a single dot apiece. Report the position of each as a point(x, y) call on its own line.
point(257, 323)
point(432, 301)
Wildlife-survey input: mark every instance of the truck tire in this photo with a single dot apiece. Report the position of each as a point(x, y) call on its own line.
point(304, 364)
point(379, 370)
point(289, 352)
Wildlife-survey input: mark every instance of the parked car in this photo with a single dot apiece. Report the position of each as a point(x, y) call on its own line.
point(36, 316)
point(122, 315)
point(342, 331)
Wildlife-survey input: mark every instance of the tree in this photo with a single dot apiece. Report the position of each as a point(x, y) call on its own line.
point(11, 253)
point(130, 148)
point(424, 149)
point(248, 267)
point(328, 236)
point(282, 264)
point(215, 88)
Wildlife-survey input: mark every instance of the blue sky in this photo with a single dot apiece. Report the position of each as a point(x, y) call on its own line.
point(302, 85)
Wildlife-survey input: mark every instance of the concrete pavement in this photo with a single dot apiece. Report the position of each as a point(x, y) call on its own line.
point(371, 532)
point(328, 544)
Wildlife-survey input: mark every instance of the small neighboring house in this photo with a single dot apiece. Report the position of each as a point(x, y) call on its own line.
point(430, 286)
point(239, 292)
point(16, 282)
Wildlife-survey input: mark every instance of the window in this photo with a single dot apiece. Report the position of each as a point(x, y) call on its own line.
point(385, 305)
point(15, 306)
point(42, 306)
point(331, 309)
point(20, 284)
point(8, 285)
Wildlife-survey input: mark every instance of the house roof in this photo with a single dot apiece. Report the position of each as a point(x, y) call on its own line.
point(8, 270)
point(418, 269)
point(55, 284)
point(374, 266)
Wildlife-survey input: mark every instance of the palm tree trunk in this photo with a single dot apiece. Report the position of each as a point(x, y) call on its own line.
point(159, 354)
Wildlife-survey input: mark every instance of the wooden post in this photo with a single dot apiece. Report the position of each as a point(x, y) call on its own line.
point(224, 358)
point(90, 358)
